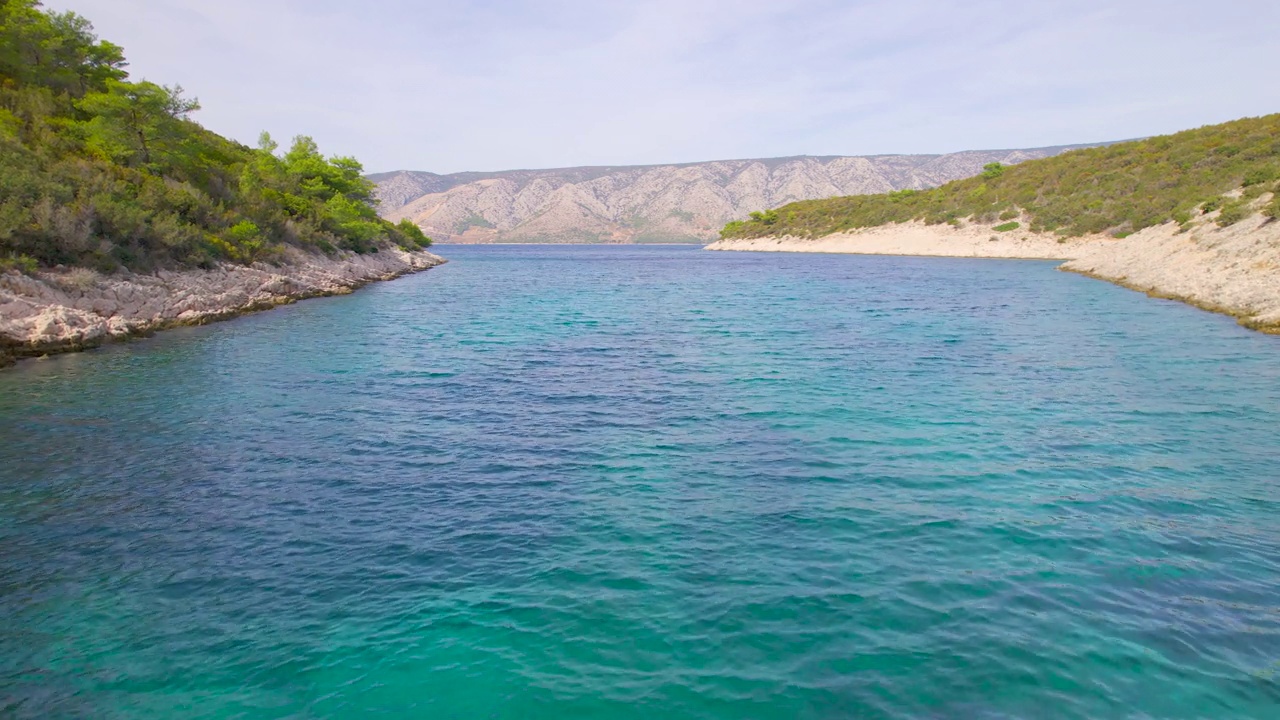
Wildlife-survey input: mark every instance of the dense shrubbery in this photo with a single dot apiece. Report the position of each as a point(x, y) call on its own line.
point(99, 171)
point(1118, 189)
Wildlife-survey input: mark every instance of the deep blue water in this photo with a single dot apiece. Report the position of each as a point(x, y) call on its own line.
point(653, 482)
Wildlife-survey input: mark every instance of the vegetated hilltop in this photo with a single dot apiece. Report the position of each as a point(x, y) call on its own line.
point(659, 203)
point(119, 216)
point(1117, 190)
point(107, 173)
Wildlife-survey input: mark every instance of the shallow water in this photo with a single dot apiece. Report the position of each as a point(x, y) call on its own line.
point(639, 482)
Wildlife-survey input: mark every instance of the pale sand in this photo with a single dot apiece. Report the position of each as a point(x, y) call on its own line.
point(916, 238)
point(1233, 270)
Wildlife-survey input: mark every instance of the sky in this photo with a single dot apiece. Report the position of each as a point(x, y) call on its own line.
point(496, 85)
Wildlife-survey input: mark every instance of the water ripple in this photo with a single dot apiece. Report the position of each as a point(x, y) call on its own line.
point(636, 482)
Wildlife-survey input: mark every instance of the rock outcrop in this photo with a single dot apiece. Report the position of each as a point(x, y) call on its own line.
point(661, 203)
point(1233, 270)
point(68, 310)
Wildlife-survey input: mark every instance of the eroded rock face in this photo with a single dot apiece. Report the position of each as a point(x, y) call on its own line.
point(674, 203)
point(1233, 270)
point(76, 309)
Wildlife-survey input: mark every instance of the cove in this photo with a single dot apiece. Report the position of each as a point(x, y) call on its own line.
point(628, 482)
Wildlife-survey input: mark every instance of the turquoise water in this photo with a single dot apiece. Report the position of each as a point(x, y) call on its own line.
point(604, 482)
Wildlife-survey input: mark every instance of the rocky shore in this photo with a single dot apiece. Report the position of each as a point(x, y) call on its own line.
point(1233, 270)
point(917, 238)
point(69, 310)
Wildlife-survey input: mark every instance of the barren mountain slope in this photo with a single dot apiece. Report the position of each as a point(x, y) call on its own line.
point(659, 203)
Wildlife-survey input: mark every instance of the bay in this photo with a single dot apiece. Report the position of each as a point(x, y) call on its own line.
point(636, 482)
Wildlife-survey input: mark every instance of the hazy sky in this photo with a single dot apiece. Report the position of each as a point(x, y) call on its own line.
point(448, 86)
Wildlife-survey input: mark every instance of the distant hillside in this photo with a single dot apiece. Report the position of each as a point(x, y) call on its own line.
point(656, 203)
point(1118, 189)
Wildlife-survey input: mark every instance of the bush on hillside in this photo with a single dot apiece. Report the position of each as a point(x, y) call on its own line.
point(1272, 209)
point(1118, 188)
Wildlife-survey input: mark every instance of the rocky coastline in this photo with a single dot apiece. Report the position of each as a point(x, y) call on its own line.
point(1234, 270)
point(67, 310)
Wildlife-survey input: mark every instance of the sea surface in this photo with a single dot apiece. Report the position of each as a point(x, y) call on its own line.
point(653, 482)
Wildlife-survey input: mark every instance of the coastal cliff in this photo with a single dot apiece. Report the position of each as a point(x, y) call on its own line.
point(1233, 270)
point(57, 311)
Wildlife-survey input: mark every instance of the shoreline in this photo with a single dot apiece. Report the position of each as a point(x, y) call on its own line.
point(697, 244)
point(58, 312)
point(916, 239)
point(1233, 270)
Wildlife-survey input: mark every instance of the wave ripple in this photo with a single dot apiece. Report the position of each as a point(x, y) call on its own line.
point(550, 482)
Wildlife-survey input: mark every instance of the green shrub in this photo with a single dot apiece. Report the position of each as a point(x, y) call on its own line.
point(21, 263)
point(1260, 176)
point(1272, 209)
point(409, 236)
point(1008, 214)
point(1007, 227)
point(732, 228)
point(991, 171)
point(472, 220)
point(1233, 212)
point(246, 241)
point(244, 232)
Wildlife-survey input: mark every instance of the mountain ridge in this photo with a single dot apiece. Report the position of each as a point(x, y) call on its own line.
point(673, 202)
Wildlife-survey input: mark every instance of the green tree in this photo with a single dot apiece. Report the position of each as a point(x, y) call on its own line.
point(100, 171)
point(322, 179)
point(55, 50)
point(267, 144)
point(410, 235)
point(246, 238)
point(136, 123)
